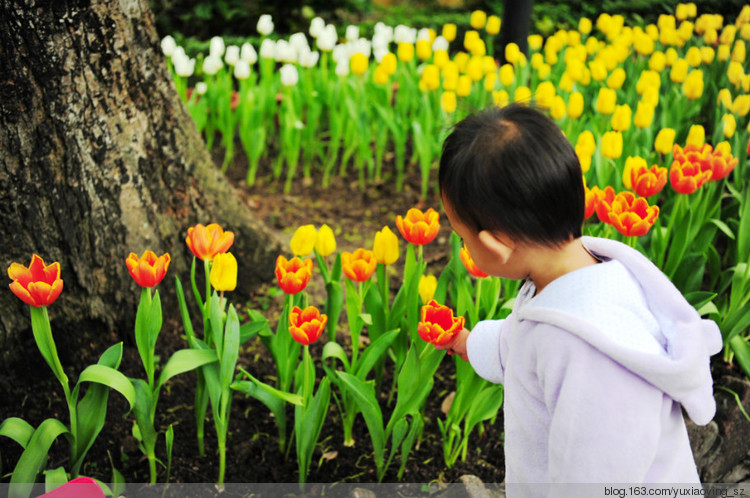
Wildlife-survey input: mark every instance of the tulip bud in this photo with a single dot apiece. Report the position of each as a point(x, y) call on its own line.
point(265, 25)
point(427, 288)
point(621, 117)
point(664, 140)
point(696, 135)
point(605, 102)
point(449, 32)
point(359, 63)
point(317, 25)
point(242, 70)
point(612, 144)
point(448, 101)
point(267, 48)
point(232, 55)
point(303, 240)
point(575, 105)
point(212, 64)
point(325, 243)
point(478, 19)
point(183, 65)
point(289, 75)
point(352, 32)
point(216, 46)
point(168, 45)
point(223, 276)
point(385, 246)
point(440, 43)
point(248, 54)
point(729, 124)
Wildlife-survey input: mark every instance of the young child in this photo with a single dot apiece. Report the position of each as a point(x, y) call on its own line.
point(601, 351)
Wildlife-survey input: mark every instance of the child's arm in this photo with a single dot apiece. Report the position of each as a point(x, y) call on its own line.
point(481, 347)
point(457, 345)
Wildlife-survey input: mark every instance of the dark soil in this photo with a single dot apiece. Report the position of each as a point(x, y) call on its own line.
point(253, 454)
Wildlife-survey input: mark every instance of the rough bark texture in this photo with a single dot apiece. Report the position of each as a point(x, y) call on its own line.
point(99, 158)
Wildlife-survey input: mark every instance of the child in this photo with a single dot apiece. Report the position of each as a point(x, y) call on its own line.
point(601, 351)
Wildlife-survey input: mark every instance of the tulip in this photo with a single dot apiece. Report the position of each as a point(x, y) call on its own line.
point(431, 77)
point(647, 182)
point(605, 101)
point(438, 325)
point(523, 95)
point(741, 105)
point(631, 215)
point(325, 242)
point(448, 101)
point(590, 207)
point(657, 62)
point(692, 87)
point(294, 274)
point(512, 53)
point(306, 325)
point(696, 135)
point(493, 25)
point(586, 141)
point(205, 242)
point(500, 98)
point(644, 115)
point(478, 19)
point(616, 79)
point(664, 140)
point(603, 202)
point(289, 75)
point(463, 88)
point(216, 46)
point(149, 270)
point(419, 228)
point(168, 45)
point(691, 167)
point(584, 158)
point(679, 71)
point(265, 25)
point(557, 110)
point(427, 287)
point(39, 284)
point(424, 49)
point(621, 118)
point(474, 69)
point(729, 125)
point(584, 25)
point(575, 105)
point(405, 52)
point(449, 32)
point(507, 74)
point(211, 65)
point(612, 144)
point(359, 63)
point(359, 265)
point(223, 276)
point(722, 162)
point(598, 70)
point(385, 246)
point(468, 262)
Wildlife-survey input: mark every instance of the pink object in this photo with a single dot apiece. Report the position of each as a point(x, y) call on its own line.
point(81, 487)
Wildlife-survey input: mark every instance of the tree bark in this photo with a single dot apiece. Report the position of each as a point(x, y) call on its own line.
point(98, 158)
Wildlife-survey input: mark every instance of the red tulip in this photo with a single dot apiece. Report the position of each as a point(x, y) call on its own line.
point(306, 325)
point(205, 242)
point(438, 325)
point(419, 227)
point(39, 284)
point(631, 215)
point(149, 270)
point(469, 263)
point(691, 167)
point(647, 182)
point(294, 274)
point(591, 199)
point(722, 165)
point(603, 202)
point(359, 265)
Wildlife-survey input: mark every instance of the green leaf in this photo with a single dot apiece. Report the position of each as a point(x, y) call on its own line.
point(723, 227)
point(185, 360)
point(741, 350)
point(334, 350)
point(231, 348)
point(373, 353)
point(251, 329)
point(184, 311)
point(364, 393)
point(111, 378)
point(54, 478)
point(292, 398)
point(17, 429)
point(33, 458)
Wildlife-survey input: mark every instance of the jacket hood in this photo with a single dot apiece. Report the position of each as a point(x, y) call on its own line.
point(630, 311)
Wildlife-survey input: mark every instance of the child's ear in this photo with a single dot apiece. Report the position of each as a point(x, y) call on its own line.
point(501, 247)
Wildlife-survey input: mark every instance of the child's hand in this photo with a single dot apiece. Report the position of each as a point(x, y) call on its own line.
point(457, 345)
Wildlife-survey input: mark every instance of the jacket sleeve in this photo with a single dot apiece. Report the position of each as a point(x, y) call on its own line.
point(604, 420)
point(483, 349)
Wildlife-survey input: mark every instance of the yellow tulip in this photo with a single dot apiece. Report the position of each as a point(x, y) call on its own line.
point(612, 144)
point(678, 73)
point(745, 31)
point(616, 79)
point(470, 38)
point(664, 140)
point(657, 62)
point(488, 64)
point(710, 37)
point(478, 19)
point(358, 63)
point(463, 89)
point(380, 75)
point(493, 25)
point(550, 56)
point(707, 55)
point(735, 73)
point(535, 42)
point(730, 125)
point(584, 25)
point(682, 11)
point(574, 39)
point(500, 98)
point(512, 53)
point(557, 111)
point(741, 105)
point(586, 142)
point(544, 71)
point(507, 75)
point(584, 158)
point(427, 287)
point(723, 53)
point(545, 94)
point(728, 34)
point(644, 115)
point(385, 246)
point(450, 80)
point(566, 82)
point(431, 77)
point(223, 276)
point(685, 31)
point(424, 49)
point(448, 101)
point(725, 98)
point(303, 240)
point(474, 69)
point(643, 44)
point(537, 60)
point(692, 87)
point(696, 135)
point(522, 95)
point(462, 60)
point(405, 52)
point(651, 96)
point(606, 100)
point(592, 45)
point(575, 105)
point(449, 32)
point(389, 63)
point(440, 58)
point(630, 163)
point(325, 243)
point(489, 82)
point(621, 117)
point(671, 56)
point(598, 70)
point(738, 54)
point(646, 79)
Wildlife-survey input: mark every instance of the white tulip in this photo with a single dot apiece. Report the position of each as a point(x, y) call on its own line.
point(267, 48)
point(380, 40)
point(363, 46)
point(423, 34)
point(317, 25)
point(232, 55)
point(178, 52)
point(284, 52)
point(352, 32)
point(216, 47)
point(242, 70)
point(405, 34)
point(212, 64)
point(379, 53)
point(440, 43)
point(385, 31)
point(183, 65)
point(341, 53)
point(309, 59)
point(265, 25)
point(289, 75)
point(168, 45)
point(248, 54)
point(299, 42)
point(342, 67)
point(201, 87)
point(327, 38)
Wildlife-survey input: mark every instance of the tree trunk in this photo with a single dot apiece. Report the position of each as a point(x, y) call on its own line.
point(98, 158)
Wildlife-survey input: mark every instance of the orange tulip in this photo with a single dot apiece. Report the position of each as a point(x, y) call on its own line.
point(205, 242)
point(722, 164)
point(359, 265)
point(469, 263)
point(591, 199)
point(419, 227)
point(631, 215)
point(293, 274)
point(647, 182)
point(149, 270)
point(603, 202)
point(39, 284)
point(438, 325)
point(691, 167)
point(306, 325)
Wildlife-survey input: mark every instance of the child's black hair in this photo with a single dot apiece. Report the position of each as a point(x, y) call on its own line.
point(511, 170)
